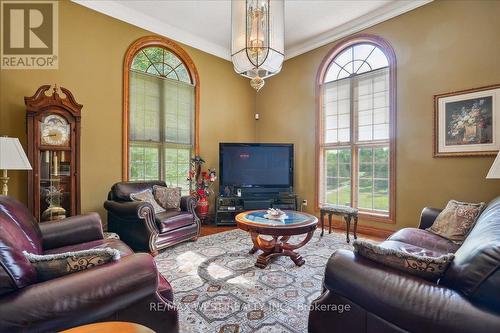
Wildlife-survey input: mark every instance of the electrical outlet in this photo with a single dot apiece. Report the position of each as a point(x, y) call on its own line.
point(304, 202)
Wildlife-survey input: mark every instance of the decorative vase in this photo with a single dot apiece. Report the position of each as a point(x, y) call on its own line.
point(202, 208)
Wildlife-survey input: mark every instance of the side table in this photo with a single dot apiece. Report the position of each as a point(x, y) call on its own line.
point(348, 213)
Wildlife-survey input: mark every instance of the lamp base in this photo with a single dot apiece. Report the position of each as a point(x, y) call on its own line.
point(4, 180)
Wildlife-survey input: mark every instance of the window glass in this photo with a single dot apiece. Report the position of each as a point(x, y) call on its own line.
point(356, 129)
point(161, 118)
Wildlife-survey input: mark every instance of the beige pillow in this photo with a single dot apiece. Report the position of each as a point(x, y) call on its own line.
point(51, 266)
point(429, 268)
point(168, 197)
point(147, 196)
point(456, 220)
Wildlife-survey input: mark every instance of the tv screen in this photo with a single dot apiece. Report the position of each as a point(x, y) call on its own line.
point(260, 165)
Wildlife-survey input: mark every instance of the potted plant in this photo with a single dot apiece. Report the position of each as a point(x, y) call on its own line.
point(201, 183)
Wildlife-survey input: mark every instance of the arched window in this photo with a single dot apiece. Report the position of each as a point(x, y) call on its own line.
point(161, 88)
point(356, 127)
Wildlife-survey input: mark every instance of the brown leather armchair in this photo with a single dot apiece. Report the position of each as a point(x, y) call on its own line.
point(381, 299)
point(119, 291)
point(140, 228)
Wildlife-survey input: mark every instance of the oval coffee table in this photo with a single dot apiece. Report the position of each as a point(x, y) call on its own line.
point(256, 224)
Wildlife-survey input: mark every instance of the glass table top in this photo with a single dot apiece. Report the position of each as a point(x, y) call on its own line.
point(293, 218)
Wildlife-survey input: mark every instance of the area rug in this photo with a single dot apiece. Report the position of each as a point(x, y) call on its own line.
point(218, 289)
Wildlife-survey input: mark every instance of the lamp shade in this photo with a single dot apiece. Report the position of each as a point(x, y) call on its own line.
point(495, 168)
point(12, 156)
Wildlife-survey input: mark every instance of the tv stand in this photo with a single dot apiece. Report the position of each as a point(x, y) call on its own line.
point(227, 207)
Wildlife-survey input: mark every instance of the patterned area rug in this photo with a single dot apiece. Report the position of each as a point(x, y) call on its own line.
point(218, 289)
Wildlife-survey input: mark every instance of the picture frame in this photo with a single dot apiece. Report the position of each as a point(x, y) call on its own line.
point(467, 122)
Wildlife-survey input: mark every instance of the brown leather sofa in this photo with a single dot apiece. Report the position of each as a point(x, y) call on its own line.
point(381, 299)
point(140, 228)
point(119, 291)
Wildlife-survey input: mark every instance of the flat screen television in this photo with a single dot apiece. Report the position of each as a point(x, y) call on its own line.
point(256, 165)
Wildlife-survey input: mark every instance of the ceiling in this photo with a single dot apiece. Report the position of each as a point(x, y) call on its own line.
point(206, 24)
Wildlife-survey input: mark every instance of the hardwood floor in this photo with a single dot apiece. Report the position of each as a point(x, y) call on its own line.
point(211, 229)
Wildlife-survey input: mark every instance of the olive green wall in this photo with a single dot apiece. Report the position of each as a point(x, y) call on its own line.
point(91, 51)
point(441, 47)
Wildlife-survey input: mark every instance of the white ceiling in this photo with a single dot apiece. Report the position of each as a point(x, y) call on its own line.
point(206, 24)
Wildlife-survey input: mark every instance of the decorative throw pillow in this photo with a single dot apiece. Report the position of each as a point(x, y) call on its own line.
point(51, 266)
point(430, 268)
point(147, 196)
point(168, 197)
point(456, 220)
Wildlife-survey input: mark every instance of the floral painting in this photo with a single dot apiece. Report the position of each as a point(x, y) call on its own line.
point(469, 121)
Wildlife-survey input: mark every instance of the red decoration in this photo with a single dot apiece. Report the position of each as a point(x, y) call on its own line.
point(201, 182)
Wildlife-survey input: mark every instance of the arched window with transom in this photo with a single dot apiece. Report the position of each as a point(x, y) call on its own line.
point(356, 127)
point(161, 88)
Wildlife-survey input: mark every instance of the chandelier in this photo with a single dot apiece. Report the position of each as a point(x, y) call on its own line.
point(257, 39)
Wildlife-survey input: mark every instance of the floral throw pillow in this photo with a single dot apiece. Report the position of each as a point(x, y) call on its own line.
point(51, 266)
point(168, 197)
point(147, 196)
point(429, 268)
point(456, 220)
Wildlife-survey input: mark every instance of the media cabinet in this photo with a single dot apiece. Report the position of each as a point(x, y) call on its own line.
point(227, 207)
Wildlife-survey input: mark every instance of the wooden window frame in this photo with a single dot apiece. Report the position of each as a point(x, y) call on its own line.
point(387, 49)
point(177, 50)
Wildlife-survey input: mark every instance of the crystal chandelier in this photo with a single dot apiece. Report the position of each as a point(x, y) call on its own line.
point(257, 39)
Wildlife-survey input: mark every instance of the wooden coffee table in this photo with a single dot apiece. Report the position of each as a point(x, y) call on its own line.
point(256, 224)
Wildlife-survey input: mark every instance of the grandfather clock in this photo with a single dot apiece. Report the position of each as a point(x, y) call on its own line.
point(53, 126)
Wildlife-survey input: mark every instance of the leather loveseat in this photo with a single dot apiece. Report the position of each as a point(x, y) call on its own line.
point(381, 299)
point(123, 290)
point(140, 227)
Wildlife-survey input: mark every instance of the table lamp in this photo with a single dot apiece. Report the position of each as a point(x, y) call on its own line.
point(495, 169)
point(12, 157)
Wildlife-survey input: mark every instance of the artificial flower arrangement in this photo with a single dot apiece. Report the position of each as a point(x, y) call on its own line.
point(201, 181)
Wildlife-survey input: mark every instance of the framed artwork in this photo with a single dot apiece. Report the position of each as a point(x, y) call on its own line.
point(467, 122)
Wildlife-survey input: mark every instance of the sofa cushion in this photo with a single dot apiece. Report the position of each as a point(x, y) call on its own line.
point(18, 226)
point(409, 248)
point(173, 219)
point(168, 197)
point(424, 239)
point(18, 232)
point(405, 259)
point(147, 196)
point(456, 220)
point(15, 270)
point(96, 244)
point(51, 266)
point(476, 268)
point(121, 191)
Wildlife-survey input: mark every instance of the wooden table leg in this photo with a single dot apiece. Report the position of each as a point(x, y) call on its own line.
point(278, 246)
point(347, 219)
point(322, 217)
point(355, 226)
point(329, 223)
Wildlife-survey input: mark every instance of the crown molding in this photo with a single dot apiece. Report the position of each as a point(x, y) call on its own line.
point(379, 15)
point(118, 11)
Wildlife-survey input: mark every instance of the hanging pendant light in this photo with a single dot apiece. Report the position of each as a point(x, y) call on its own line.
point(257, 39)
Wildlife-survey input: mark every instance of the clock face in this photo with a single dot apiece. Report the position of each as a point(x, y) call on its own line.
point(55, 131)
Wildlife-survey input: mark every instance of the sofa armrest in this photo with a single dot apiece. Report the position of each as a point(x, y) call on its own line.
point(71, 230)
point(428, 216)
point(188, 204)
point(406, 301)
point(127, 209)
point(81, 297)
point(133, 211)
